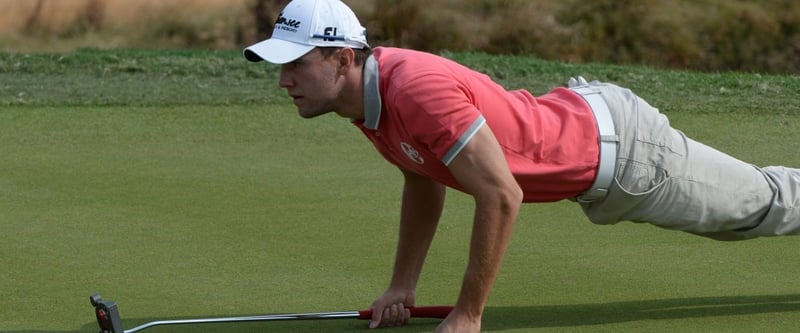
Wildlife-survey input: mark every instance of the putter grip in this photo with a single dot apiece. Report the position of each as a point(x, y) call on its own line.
point(416, 312)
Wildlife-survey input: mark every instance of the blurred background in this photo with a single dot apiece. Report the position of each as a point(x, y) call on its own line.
point(707, 35)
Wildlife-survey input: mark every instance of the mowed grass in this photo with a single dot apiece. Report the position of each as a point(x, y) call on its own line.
point(183, 184)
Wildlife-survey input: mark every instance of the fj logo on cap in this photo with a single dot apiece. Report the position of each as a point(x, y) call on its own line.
point(412, 153)
point(330, 33)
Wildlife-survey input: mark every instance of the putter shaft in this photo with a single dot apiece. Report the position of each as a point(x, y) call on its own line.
point(289, 316)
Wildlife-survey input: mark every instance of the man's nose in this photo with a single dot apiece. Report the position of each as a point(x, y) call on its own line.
point(285, 80)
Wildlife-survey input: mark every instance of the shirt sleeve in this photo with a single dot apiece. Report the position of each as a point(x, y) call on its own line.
point(438, 112)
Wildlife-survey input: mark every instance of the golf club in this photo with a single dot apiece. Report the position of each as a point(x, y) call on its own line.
point(110, 322)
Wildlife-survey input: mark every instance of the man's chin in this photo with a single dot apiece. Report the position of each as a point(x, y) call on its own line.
point(309, 115)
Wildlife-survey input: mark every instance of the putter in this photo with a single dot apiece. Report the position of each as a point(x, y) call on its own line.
point(109, 320)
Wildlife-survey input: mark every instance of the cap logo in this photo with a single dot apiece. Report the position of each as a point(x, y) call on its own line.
point(290, 25)
point(329, 31)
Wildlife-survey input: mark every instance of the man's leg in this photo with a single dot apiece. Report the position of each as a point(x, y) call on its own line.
point(674, 182)
point(783, 217)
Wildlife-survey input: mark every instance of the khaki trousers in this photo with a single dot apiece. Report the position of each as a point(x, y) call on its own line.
point(664, 178)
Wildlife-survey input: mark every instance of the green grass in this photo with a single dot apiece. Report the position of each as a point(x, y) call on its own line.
point(183, 184)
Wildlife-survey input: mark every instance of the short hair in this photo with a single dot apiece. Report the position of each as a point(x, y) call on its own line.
point(361, 54)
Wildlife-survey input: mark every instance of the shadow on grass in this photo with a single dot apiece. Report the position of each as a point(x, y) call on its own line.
point(500, 318)
point(573, 315)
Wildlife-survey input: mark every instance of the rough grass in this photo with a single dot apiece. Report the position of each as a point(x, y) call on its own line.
point(708, 35)
point(130, 77)
point(183, 184)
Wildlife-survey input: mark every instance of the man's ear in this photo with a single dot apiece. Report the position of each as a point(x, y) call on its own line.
point(346, 59)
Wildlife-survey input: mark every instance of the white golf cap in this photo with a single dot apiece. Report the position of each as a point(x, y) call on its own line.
point(305, 24)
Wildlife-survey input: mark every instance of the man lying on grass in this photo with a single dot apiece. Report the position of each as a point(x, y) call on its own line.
point(444, 125)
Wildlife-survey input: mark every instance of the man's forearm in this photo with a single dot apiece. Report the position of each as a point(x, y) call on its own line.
point(492, 227)
point(422, 206)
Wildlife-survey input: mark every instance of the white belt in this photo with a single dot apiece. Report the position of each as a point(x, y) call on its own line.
point(607, 143)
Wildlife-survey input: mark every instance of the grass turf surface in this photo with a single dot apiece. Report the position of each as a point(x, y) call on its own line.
point(182, 184)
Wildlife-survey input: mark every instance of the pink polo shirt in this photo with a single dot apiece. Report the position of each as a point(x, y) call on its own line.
point(422, 109)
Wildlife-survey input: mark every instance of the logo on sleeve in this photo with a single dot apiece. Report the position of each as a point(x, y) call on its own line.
point(412, 153)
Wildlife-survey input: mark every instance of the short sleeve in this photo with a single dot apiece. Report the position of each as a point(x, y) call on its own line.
point(437, 111)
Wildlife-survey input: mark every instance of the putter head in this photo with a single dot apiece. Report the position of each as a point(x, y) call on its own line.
point(107, 315)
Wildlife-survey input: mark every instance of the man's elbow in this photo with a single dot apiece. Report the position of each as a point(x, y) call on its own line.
point(515, 197)
point(508, 199)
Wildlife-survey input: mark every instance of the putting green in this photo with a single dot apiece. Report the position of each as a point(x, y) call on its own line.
point(177, 209)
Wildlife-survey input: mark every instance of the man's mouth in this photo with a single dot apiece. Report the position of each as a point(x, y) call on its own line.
point(296, 98)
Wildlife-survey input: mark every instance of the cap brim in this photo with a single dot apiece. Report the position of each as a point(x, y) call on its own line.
point(276, 51)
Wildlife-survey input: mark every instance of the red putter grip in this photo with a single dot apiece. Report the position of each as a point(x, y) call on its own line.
point(416, 312)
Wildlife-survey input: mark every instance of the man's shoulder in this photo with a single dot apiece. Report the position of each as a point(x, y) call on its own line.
point(384, 52)
point(392, 57)
point(401, 67)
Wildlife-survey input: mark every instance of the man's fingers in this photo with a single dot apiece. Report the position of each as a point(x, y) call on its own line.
point(392, 315)
point(385, 315)
point(377, 315)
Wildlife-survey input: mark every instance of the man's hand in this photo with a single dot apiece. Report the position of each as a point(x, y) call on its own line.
point(391, 309)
